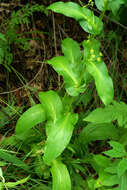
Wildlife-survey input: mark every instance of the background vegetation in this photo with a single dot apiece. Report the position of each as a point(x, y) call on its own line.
point(95, 157)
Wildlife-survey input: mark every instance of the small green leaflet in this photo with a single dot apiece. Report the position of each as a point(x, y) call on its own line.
point(29, 119)
point(87, 20)
point(117, 151)
point(99, 162)
point(106, 179)
point(122, 167)
point(61, 178)
point(59, 137)
point(111, 5)
point(116, 111)
point(97, 68)
point(52, 104)
point(120, 109)
point(101, 115)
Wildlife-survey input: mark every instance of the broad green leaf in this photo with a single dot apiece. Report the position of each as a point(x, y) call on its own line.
point(97, 68)
point(94, 132)
point(117, 151)
point(70, 67)
point(13, 159)
point(69, 9)
point(88, 21)
point(92, 24)
point(114, 6)
point(59, 137)
point(123, 182)
point(52, 104)
point(101, 4)
point(71, 76)
point(71, 50)
point(122, 167)
point(29, 119)
point(110, 5)
point(61, 178)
